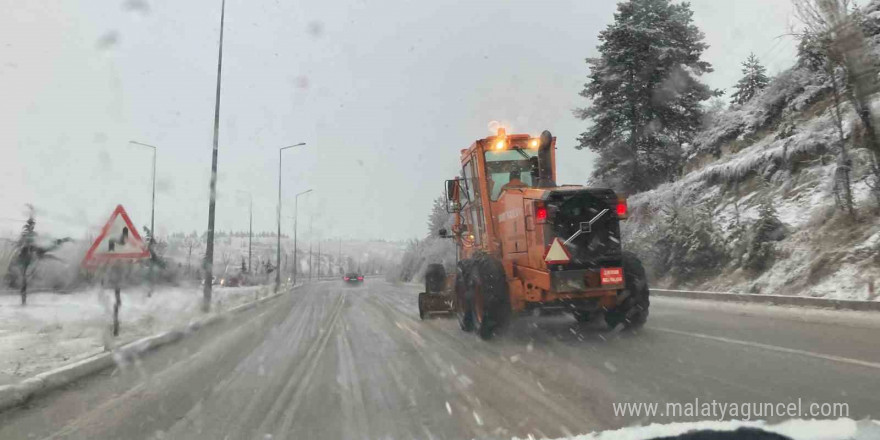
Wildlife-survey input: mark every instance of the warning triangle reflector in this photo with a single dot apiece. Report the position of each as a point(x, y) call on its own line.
point(118, 240)
point(557, 253)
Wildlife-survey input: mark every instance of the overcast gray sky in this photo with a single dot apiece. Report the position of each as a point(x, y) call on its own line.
point(385, 93)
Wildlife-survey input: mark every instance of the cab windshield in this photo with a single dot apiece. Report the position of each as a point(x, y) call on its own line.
point(500, 165)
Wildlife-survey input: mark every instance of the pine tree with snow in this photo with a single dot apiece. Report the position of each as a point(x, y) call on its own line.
point(764, 232)
point(29, 252)
point(753, 81)
point(688, 244)
point(645, 98)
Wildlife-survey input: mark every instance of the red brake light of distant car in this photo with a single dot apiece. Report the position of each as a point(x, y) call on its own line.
point(621, 208)
point(360, 278)
point(540, 213)
point(345, 279)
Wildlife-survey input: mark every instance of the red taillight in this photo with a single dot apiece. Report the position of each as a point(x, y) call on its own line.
point(345, 279)
point(621, 208)
point(360, 278)
point(541, 213)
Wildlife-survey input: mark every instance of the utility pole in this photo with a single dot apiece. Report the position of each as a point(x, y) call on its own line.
point(339, 256)
point(209, 251)
point(319, 259)
point(278, 244)
point(310, 248)
point(295, 218)
point(250, 232)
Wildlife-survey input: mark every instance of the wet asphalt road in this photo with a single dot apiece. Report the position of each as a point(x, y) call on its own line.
point(329, 361)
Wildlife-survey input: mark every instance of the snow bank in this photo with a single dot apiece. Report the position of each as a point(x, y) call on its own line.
point(840, 429)
point(55, 329)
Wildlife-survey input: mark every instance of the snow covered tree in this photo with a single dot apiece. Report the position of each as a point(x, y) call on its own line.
point(753, 81)
point(439, 218)
point(713, 110)
point(28, 252)
point(688, 243)
point(157, 249)
point(190, 242)
point(645, 98)
point(833, 40)
point(761, 251)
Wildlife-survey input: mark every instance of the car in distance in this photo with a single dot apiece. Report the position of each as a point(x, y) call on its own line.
point(353, 278)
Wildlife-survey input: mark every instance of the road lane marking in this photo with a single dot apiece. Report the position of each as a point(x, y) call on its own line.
point(827, 357)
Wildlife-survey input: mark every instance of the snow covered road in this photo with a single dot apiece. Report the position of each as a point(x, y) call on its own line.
point(332, 361)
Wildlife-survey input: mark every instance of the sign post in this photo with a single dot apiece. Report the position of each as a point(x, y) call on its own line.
point(118, 245)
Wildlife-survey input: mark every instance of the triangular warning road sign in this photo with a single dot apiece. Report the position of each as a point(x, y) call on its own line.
point(557, 253)
point(118, 240)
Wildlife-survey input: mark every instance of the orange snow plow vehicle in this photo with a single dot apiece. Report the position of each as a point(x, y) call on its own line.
point(525, 244)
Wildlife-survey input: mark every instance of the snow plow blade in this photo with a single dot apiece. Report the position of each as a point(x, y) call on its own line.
point(438, 294)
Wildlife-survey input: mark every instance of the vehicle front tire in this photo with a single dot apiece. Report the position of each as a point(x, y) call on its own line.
point(421, 305)
point(435, 278)
point(461, 306)
point(490, 301)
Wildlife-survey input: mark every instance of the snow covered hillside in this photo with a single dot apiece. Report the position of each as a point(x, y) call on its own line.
point(768, 166)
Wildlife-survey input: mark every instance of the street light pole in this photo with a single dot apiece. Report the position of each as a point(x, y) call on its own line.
point(250, 233)
point(208, 264)
point(278, 215)
point(152, 213)
point(295, 218)
point(153, 203)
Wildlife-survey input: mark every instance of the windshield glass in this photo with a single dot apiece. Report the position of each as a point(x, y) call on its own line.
point(503, 168)
point(317, 219)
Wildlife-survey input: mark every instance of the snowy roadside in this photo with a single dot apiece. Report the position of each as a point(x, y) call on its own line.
point(796, 429)
point(56, 329)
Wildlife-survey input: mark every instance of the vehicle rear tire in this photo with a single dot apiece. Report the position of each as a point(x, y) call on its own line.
point(421, 305)
point(633, 311)
point(490, 301)
point(461, 306)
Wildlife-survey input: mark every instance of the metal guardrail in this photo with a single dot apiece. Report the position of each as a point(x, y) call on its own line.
point(824, 303)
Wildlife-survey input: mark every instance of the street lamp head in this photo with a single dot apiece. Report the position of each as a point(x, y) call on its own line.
point(142, 144)
point(291, 146)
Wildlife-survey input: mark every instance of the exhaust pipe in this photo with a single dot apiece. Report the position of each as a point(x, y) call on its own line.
point(546, 179)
